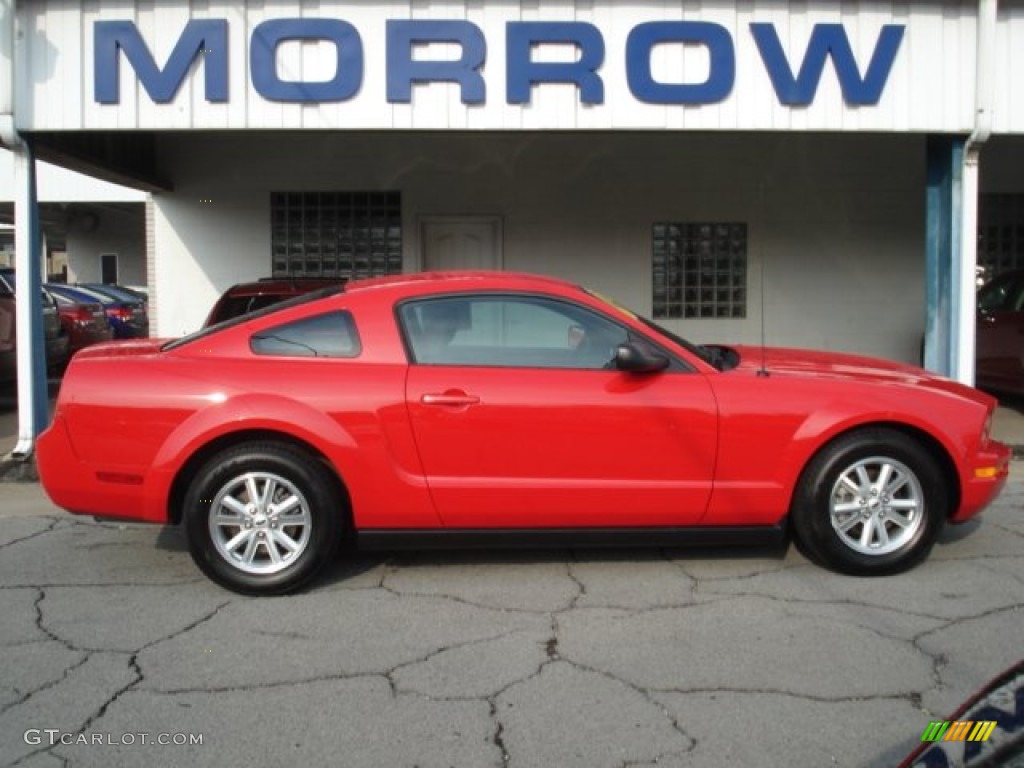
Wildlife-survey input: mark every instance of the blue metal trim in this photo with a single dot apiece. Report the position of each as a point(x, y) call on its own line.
point(944, 203)
point(40, 400)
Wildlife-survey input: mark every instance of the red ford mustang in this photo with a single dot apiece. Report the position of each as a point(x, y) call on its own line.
point(469, 409)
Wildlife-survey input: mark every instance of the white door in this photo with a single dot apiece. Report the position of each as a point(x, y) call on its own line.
point(472, 242)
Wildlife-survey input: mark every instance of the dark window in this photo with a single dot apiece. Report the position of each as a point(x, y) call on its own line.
point(108, 268)
point(699, 269)
point(329, 335)
point(336, 234)
point(1000, 233)
point(522, 332)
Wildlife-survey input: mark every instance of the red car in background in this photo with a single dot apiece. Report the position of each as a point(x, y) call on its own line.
point(477, 408)
point(84, 322)
point(248, 297)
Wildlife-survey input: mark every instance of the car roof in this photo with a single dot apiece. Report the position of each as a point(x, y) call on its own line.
point(78, 293)
point(458, 278)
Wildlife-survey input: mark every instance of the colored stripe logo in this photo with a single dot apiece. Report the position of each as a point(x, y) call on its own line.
point(959, 730)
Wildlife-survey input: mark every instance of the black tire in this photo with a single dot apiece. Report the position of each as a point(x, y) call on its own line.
point(885, 532)
point(242, 557)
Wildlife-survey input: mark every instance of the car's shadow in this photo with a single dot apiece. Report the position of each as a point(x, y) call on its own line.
point(354, 562)
point(350, 562)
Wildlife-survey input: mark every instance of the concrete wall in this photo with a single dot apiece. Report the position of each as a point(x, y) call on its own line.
point(836, 222)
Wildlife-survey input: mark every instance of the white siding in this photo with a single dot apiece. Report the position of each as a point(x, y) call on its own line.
point(930, 87)
point(836, 223)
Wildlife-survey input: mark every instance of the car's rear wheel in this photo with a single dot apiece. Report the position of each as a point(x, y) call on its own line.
point(262, 518)
point(870, 503)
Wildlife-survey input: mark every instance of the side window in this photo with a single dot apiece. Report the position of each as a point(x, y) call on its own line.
point(522, 332)
point(329, 335)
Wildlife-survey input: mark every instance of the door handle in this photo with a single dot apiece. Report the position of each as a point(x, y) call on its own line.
point(451, 398)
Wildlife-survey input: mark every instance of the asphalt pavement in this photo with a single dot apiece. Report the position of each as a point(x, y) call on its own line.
point(112, 643)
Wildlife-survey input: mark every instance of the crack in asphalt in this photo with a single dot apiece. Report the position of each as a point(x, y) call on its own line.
point(281, 684)
point(1013, 576)
point(706, 588)
point(104, 584)
point(498, 737)
point(132, 661)
point(390, 672)
point(963, 619)
point(399, 593)
point(908, 696)
point(851, 602)
point(29, 695)
point(49, 636)
point(54, 522)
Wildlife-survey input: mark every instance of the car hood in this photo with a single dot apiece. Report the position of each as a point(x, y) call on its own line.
point(836, 365)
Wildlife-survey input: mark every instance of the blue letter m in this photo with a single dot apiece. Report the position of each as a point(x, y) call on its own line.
point(828, 40)
point(208, 37)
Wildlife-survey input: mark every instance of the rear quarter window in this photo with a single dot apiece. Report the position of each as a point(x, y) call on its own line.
point(332, 334)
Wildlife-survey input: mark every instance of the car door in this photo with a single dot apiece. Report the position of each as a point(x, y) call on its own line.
point(1000, 340)
point(521, 420)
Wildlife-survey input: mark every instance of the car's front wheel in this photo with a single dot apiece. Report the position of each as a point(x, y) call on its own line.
point(262, 518)
point(870, 503)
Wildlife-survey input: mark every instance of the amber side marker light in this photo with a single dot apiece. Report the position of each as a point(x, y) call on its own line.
point(986, 472)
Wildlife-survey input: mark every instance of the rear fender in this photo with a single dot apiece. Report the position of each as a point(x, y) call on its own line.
point(272, 413)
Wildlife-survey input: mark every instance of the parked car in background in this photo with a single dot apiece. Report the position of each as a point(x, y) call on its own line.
point(54, 337)
point(1000, 345)
point(129, 319)
point(492, 409)
point(248, 297)
point(131, 296)
point(84, 321)
point(121, 293)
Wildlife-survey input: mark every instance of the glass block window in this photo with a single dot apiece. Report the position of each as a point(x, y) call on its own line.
point(1000, 233)
point(336, 234)
point(700, 269)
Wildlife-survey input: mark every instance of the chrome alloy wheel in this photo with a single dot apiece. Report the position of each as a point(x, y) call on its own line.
point(260, 523)
point(877, 506)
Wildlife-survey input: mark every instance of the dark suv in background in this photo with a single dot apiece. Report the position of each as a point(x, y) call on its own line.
point(1001, 333)
point(54, 337)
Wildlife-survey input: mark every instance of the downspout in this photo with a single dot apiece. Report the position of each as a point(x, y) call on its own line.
point(31, 351)
point(8, 136)
point(965, 300)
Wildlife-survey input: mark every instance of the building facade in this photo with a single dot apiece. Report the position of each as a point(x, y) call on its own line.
point(799, 173)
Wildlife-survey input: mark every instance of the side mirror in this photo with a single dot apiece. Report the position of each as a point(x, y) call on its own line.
point(637, 357)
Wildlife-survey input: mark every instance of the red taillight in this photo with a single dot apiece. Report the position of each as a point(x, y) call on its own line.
point(80, 315)
point(119, 313)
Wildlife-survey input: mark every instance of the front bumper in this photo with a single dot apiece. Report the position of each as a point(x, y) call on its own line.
point(986, 476)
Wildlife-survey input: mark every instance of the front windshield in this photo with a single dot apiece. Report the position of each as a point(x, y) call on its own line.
point(705, 354)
